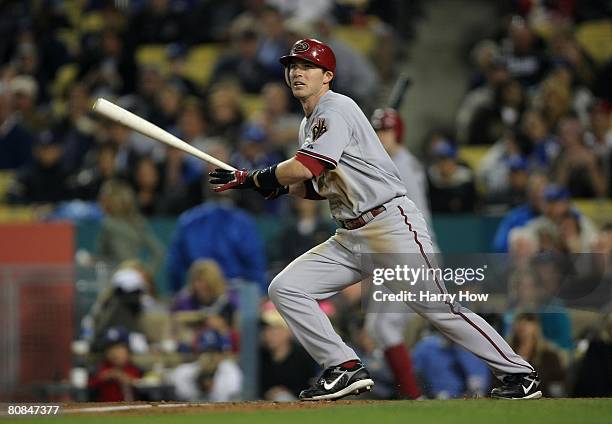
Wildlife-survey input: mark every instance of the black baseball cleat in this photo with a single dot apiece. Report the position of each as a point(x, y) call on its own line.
point(518, 386)
point(349, 378)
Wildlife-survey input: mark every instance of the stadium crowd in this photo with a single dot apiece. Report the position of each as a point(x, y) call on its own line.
point(538, 101)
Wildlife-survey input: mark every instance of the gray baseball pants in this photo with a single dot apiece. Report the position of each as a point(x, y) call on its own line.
point(335, 264)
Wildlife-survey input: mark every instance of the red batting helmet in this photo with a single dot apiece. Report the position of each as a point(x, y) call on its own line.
point(313, 51)
point(388, 119)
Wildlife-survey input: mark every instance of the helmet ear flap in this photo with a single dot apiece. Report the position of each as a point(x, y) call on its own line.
point(287, 76)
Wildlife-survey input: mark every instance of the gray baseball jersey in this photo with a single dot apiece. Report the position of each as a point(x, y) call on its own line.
point(361, 175)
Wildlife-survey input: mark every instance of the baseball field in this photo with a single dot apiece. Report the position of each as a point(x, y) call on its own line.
point(473, 411)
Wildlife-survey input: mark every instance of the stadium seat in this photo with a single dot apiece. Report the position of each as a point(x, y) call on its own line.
point(599, 210)
point(152, 55)
point(13, 214)
point(251, 103)
point(361, 39)
point(5, 180)
point(472, 155)
point(200, 62)
point(596, 38)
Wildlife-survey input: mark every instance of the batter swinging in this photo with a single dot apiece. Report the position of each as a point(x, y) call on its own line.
point(342, 160)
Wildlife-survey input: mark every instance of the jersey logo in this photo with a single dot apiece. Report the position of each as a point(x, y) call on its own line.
point(318, 129)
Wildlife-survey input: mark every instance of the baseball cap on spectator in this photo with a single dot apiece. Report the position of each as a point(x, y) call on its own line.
point(252, 133)
point(555, 193)
point(517, 163)
point(210, 340)
point(443, 150)
point(24, 84)
point(129, 280)
point(176, 51)
point(47, 138)
point(116, 335)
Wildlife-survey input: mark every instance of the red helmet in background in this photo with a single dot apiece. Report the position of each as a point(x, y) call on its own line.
point(313, 51)
point(388, 119)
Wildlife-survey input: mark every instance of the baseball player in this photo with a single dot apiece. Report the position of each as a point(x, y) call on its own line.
point(388, 328)
point(341, 160)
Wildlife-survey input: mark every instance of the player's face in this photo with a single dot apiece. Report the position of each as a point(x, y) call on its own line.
point(307, 79)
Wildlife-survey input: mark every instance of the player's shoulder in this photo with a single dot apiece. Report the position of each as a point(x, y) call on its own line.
point(336, 103)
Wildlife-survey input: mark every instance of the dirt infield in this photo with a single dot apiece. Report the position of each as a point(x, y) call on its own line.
point(156, 408)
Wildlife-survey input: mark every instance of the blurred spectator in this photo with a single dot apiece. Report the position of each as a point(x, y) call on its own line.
point(211, 20)
point(300, 232)
point(108, 66)
point(77, 129)
point(595, 368)
point(150, 83)
point(526, 340)
point(167, 107)
point(159, 22)
point(122, 303)
point(554, 101)
point(599, 138)
point(280, 124)
point(557, 206)
point(225, 112)
point(447, 370)
point(254, 153)
point(114, 378)
point(214, 377)
point(206, 291)
point(147, 183)
point(124, 233)
point(524, 52)
point(494, 168)
point(577, 167)
point(25, 92)
point(520, 215)
point(15, 141)
point(274, 42)
point(451, 185)
point(44, 181)
point(125, 142)
point(303, 12)
point(490, 122)
point(481, 98)
point(553, 273)
point(516, 193)
point(177, 54)
point(543, 147)
point(484, 56)
point(285, 367)
point(242, 63)
point(533, 290)
point(351, 66)
point(86, 183)
point(220, 231)
point(186, 180)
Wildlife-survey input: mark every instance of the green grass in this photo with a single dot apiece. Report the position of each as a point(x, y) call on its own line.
point(484, 411)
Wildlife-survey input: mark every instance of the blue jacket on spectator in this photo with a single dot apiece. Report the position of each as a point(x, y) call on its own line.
point(221, 232)
point(517, 217)
point(448, 370)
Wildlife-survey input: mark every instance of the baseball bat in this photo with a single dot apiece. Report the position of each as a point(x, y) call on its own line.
point(135, 122)
point(400, 88)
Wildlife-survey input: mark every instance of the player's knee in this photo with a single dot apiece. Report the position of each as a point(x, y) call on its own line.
point(279, 287)
point(274, 288)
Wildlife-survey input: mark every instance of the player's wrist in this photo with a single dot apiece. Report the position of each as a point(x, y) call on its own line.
point(266, 178)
